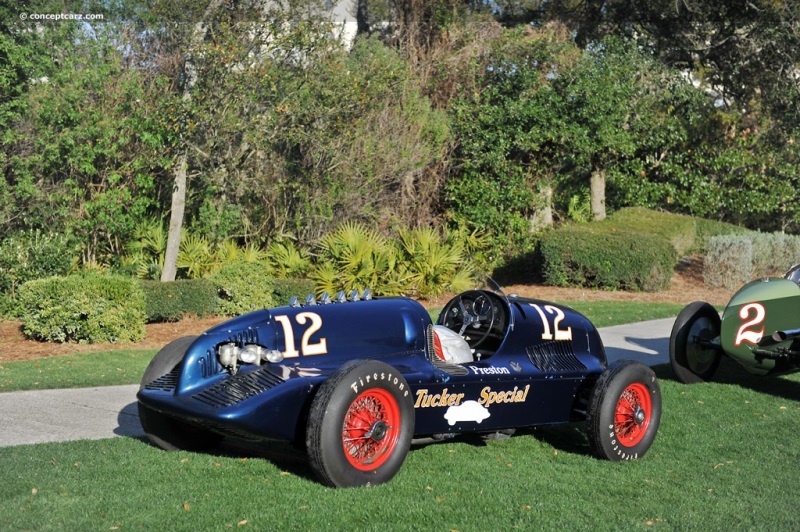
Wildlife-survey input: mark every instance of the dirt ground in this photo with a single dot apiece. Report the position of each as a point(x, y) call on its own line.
point(687, 286)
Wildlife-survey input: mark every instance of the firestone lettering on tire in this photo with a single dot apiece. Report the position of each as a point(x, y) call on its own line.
point(387, 378)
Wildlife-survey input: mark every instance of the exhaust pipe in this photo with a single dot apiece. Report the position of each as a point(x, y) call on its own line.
point(780, 336)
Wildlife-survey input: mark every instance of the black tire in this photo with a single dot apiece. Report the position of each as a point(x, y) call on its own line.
point(624, 411)
point(368, 401)
point(166, 432)
point(166, 359)
point(692, 362)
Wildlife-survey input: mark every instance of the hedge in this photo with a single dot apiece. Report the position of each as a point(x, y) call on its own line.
point(733, 260)
point(284, 289)
point(89, 307)
point(243, 287)
point(580, 256)
point(172, 301)
point(677, 229)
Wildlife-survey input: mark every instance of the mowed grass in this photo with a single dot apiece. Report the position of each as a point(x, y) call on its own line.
point(724, 458)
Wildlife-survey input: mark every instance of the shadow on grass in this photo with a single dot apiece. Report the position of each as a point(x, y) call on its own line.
point(731, 373)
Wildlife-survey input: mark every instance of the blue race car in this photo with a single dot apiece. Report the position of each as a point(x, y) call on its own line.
point(355, 379)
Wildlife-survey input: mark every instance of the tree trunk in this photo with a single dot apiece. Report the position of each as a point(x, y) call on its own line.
point(597, 190)
point(170, 268)
point(543, 218)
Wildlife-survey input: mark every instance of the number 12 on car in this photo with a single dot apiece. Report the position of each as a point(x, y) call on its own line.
point(306, 346)
point(560, 334)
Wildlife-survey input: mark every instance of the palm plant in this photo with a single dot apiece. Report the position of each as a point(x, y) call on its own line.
point(434, 264)
point(288, 260)
point(356, 257)
point(147, 249)
point(195, 256)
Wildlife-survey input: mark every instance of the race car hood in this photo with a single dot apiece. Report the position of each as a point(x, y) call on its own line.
point(322, 336)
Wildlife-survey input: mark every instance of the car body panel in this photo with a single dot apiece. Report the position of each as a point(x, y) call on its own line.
point(536, 367)
point(753, 315)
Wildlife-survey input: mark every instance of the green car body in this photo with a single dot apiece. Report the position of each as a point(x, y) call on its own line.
point(759, 329)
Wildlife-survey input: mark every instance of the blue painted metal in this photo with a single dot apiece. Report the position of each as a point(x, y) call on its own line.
point(524, 378)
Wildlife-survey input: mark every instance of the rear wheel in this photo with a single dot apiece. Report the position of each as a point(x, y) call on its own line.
point(624, 411)
point(691, 354)
point(360, 425)
point(166, 432)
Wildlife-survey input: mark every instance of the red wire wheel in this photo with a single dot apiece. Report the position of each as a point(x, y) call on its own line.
point(624, 411)
point(371, 428)
point(633, 413)
point(360, 425)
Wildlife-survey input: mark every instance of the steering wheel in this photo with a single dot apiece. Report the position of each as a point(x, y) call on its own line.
point(472, 309)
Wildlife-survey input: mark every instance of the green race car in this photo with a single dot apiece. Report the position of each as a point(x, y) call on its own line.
point(759, 329)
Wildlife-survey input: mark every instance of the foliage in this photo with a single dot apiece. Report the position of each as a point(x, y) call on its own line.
point(677, 229)
point(87, 162)
point(33, 254)
point(284, 289)
point(174, 300)
point(420, 262)
point(88, 307)
point(434, 264)
point(287, 259)
point(243, 287)
point(514, 115)
point(732, 260)
point(579, 256)
point(356, 257)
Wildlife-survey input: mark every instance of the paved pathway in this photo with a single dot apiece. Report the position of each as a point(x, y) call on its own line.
point(104, 412)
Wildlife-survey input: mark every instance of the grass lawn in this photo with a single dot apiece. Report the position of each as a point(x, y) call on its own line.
point(723, 459)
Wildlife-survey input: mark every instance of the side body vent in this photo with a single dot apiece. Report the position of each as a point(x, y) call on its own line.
point(166, 383)
point(239, 387)
point(554, 357)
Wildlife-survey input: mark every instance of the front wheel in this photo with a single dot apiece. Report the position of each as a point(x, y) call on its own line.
point(692, 355)
point(360, 425)
point(624, 411)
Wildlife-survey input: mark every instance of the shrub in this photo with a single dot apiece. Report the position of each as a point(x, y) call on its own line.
point(10, 307)
point(732, 260)
point(171, 301)
point(88, 307)
point(707, 229)
point(580, 256)
point(243, 287)
point(33, 255)
point(284, 289)
point(678, 229)
point(728, 262)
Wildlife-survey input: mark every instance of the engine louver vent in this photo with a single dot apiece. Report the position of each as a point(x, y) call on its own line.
point(166, 383)
point(236, 389)
point(554, 357)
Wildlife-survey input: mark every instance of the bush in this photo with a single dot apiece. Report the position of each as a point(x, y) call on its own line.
point(284, 289)
point(171, 301)
point(733, 260)
point(728, 262)
point(89, 307)
point(31, 255)
point(580, 256)
point(10, 307)
point(243, 287)
point(707, 229)
point(678, 229)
